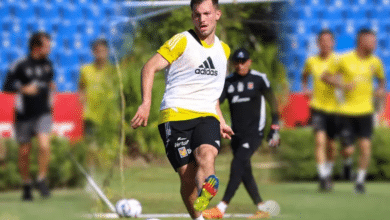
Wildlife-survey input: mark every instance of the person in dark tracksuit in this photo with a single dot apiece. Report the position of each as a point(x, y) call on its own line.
point(32, 79)
point(247, 91)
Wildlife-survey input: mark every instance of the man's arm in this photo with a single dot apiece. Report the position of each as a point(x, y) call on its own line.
point(155, 64)
point(273, 137)
point(336, 81)
point(226, 130)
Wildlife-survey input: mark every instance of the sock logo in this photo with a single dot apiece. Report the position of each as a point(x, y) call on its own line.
point(207, 68)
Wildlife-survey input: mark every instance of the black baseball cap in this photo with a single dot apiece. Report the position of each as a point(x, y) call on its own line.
point(240, 55)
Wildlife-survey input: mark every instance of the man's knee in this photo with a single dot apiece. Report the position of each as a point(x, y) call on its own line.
point(205, 154)
point(348, 151)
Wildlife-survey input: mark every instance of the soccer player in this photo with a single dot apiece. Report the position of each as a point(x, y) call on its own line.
point(97, 80)
point(32, 79)
point(323, 107)
point(191, 122)
point(246, 90)
point(355, 73)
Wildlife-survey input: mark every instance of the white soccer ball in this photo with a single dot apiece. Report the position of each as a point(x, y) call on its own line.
point(123, 208)
point(128, 208)
point(272, 207)
point(135, 208)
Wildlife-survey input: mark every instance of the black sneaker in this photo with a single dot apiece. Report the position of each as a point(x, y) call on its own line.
point(43, 188)
point(27, 195)
point(325, 184)
point(360, 188)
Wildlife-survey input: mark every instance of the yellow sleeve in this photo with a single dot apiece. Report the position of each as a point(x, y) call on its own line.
point(335, 66)
point(173, 48)
point(82, 81)
point(379, 70)
point(226, 48)
point(307, 67)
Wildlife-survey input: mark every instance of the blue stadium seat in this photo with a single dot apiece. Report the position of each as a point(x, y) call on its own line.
point(84, 57)
point(91, 30)
point(13, 25)
point(384, 27)
point(332, 13)
point(109, 11)
point(345, 42)
point(45, 11)
point(23, 10)
point(353, 12)
point(66, 28)
point(64, 58)
point(91, 12)
point(383, 12)
point(12, 54)
point(69, 12)
point(6, 40)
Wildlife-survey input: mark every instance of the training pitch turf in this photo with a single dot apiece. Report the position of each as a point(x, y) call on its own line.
point(156, 186)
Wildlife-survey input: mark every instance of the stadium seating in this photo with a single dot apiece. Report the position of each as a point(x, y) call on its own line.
point(72, 24)
point(306, 18)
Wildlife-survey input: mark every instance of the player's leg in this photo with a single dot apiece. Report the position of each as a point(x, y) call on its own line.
point(189, 188)
point(23, 136)
point(176, 137)
point(206, 140)
point(319, 126)
point(235, 178)
point(332, 131)
point(348, 136)
point(43, 127)
point(365, 132)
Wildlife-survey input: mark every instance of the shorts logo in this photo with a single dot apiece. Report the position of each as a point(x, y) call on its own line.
point(182, 152)
point(181, 143)
point(218, 142)
point(207, 68)
point(246, 145)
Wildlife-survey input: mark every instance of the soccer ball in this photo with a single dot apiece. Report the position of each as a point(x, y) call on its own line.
point(272, 207)
point(128, 208)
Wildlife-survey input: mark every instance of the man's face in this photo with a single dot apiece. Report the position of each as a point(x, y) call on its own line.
point(242, 67)
point(326, 43)
point(205, 17)
point(44, 49)
point(100, 52)
point(368, 43)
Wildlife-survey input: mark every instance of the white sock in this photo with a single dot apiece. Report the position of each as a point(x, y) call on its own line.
point(262, 207)
point(329, 168)
point(199, 218)
point(222, 206)
point(361, 176)
point(321, 170)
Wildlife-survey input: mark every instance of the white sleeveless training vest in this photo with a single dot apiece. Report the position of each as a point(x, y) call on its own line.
point(195, 80)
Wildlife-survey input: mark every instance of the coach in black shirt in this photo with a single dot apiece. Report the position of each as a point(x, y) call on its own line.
point(246, 90)
point(32, 79)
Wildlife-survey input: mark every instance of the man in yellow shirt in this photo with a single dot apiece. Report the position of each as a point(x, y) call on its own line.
point(191, 122)
point(354, 79)
point(323, 107)
point(97, 90)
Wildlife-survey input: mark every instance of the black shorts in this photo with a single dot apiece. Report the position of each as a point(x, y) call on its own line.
point(181, 138)
point(244, 147)
point(353, 127)
point(322, 121)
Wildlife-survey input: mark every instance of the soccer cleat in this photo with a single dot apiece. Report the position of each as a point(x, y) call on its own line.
point(360, 188)
point(27, 195)
point(213, 213)
point(326, 184)
point(259, 214)
point(43, 188)
point(208, 191)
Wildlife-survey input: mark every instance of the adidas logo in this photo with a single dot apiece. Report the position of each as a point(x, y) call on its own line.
point(207, 68)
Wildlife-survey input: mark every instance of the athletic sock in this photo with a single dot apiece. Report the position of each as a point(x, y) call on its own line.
point(329, 168)
point(361, 176)
point(222, 206)
point(262, 207)
point(321, 168)
point(199, 218)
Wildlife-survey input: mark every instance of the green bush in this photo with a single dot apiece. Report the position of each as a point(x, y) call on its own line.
point(62, 171)
point(297, 149)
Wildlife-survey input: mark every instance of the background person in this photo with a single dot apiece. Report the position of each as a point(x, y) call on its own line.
point(32, 78)
point(246, 90)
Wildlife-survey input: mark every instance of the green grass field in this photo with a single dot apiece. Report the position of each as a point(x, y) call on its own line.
point(156, 186)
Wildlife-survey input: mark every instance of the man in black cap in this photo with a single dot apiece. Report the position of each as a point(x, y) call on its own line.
point(246, 90)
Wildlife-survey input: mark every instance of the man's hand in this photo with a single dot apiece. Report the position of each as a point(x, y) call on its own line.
point(273, 136)
point(226, 131)
point(30, 89)
point(141, 117)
